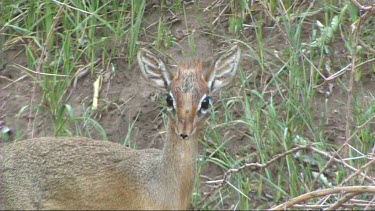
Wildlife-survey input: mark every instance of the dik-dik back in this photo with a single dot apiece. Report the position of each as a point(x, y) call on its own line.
point(80, 173)
point(75, 173)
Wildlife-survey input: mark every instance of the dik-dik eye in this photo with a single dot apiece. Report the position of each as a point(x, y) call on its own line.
point(170, 101)
point(205, 104)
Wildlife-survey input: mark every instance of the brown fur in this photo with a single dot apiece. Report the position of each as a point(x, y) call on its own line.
point(81, 173)
point(188, 85)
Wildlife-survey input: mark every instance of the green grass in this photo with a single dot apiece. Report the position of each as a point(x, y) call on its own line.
point(289, 49)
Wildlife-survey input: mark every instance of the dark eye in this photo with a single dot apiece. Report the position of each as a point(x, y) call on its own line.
point(169, 101)
point(205, 104)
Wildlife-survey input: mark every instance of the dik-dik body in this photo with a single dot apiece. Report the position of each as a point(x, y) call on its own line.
point(80, 173)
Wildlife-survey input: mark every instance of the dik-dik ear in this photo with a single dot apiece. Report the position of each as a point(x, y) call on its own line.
point(153, 69)
point(224, 69)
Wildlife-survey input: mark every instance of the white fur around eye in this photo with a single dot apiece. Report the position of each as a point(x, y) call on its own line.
point(200, 104)
point(174, 102)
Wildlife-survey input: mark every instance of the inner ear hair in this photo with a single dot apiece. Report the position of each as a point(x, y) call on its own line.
point(223, 69)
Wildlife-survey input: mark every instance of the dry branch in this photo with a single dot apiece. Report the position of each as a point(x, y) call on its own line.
point(252, 166)
point(342, 200)
point(349, 167)
point(319, 193)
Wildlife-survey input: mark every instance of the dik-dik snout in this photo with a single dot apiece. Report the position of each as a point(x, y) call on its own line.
point(190, 110)
point(189, 87)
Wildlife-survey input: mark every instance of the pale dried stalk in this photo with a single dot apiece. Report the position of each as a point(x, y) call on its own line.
point(325, 192)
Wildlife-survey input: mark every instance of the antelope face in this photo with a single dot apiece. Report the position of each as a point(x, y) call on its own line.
point(189, 87)
point(188, 98)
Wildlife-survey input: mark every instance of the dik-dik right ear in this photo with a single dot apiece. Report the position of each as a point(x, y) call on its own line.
point(224, 69)
point(153, 69)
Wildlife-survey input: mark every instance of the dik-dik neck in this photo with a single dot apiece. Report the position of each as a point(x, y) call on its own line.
point(178, 153)
point(179, 162)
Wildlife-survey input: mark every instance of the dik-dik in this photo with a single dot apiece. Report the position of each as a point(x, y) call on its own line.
point(80, 173)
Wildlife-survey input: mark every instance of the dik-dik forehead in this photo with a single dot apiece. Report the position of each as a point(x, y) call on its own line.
point(189, 82)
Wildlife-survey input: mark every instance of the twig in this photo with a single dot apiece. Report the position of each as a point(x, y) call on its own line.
point(370, 203)
point(252, 166)
point(348, 136)
point(324, 192)
point(342, 200)
point(314, 182)
point(71, 7)
point(333, 159)
point(351, 84)
point(258, 166)
point(221, 13)
point(19, 79)
point(211, 5)
point(369, 12)
point(6, 78)
point(322, 206)
point(36, 72)
point(366, 62)
point(357, 172)
point(365, 46)
point(357, 4)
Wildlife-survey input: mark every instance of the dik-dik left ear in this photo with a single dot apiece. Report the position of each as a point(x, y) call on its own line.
point(153, 69)
point(224, 69)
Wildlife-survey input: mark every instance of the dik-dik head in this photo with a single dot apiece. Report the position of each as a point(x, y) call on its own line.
point(189, 86)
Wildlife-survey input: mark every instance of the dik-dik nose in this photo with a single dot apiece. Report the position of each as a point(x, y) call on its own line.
point(184, 136)
point(184, 131)
point(185, 128)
